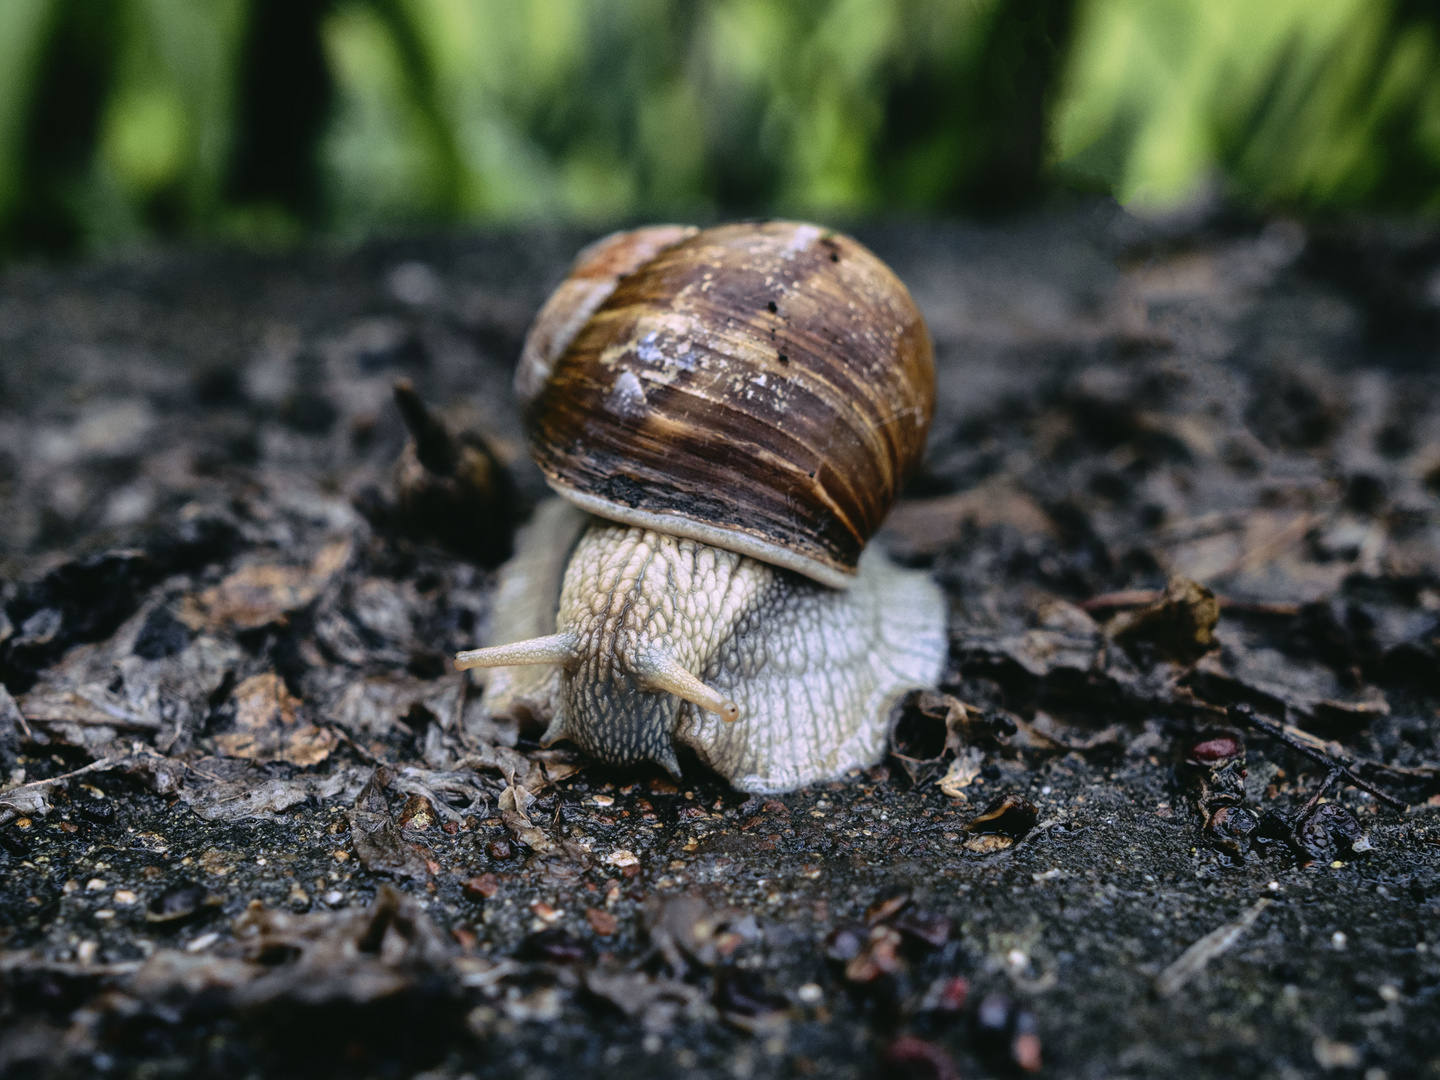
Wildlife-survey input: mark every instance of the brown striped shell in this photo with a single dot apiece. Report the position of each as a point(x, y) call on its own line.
point(762, 387)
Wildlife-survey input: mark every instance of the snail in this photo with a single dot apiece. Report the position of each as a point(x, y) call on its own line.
point(727, 415)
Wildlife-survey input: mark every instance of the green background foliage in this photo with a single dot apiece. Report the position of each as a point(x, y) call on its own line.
point(267, 120)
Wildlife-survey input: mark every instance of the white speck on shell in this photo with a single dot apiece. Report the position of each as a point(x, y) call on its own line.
point(627, 397)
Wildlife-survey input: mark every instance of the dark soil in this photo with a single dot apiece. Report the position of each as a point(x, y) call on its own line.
point(304, 851)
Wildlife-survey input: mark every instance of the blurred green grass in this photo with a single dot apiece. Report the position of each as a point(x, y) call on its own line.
point(265, 121)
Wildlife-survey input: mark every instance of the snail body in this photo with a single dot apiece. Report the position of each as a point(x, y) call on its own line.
point(728, 415)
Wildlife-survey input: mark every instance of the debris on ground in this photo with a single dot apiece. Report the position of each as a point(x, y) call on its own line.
point(1183, 496)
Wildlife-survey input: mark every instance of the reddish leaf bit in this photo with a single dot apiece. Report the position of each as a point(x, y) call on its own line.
point(1213, 751)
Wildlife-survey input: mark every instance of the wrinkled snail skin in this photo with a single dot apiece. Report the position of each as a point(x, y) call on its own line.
point(729, 414)
point(813, 671)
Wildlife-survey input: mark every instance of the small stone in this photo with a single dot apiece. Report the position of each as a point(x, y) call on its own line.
point(545, 912)
point(810, 993)
point(123, 897)
point(622, 858)
point(94, 885)
point(601, 921)
point(418, 815)
point(500, 850)
point(482, 886)
point(178, 902)
point(203, 942)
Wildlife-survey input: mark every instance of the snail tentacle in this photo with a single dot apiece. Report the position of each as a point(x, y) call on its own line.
point(664, 672)
point(556, 649)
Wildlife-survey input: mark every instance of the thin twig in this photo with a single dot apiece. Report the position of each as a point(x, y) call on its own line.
point(1133, 598)
point(1245, 714)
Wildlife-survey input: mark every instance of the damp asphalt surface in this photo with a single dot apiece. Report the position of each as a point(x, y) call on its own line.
point(304, 850)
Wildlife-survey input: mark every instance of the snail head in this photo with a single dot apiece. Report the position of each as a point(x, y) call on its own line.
point(627, 644)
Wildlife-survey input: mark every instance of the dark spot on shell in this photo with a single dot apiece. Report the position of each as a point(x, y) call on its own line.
point(770, 307)
point(784, 359)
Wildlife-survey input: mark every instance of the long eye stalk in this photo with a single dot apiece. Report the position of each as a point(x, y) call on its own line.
point(666, 673)
point(555, 649)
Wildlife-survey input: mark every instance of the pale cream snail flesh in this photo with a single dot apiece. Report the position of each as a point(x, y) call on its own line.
point(727, 415)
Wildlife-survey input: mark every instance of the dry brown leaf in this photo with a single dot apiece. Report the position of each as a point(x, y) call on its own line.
point(263, 594)
point(268, 726)
point(1181, 624)
point(924, 526)
point(85, 705)
point(963, 772)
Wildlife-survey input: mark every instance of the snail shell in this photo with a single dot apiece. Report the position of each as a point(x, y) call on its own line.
point(766, 388)
point(737, 408)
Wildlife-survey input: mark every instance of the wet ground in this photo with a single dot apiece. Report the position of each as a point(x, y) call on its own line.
point(1183, 492)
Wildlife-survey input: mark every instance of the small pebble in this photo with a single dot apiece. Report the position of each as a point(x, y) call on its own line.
point(203, 942)
point(602, 922)
point(94, 885)
point(500, 850)
point(1338, 940)
point(810, 993)
point(482, 886)
point(123, 897)
point(545, 912)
